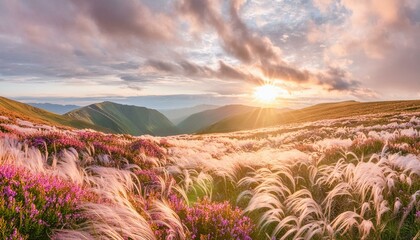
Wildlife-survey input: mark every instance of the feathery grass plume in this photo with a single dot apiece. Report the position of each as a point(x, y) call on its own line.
point(14, 152)
point(341, 189)
point(352, 178)
point(67, 167)
point(163, 215)
point(71, 234)
point(112, 184)
point(345, 221)
point(115, 222)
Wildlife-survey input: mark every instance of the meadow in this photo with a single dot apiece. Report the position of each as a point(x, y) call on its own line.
point(347, 178)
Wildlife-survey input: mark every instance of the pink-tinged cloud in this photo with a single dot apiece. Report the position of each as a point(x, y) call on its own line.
point(349, 47)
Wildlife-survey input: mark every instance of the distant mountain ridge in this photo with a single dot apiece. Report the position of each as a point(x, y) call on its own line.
point(117, 118)
point(258, 119)
point(126, 119)
point(178, 115)
point(198, 121)
point(55, 108)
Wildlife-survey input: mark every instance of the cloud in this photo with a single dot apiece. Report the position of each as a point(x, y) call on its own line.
point(374, 28)
point(252, 49)
point(219, 46)
point(235, 37)
point(162, 65)
point(185, 68)
point(338, 79)
point(378, 42)
point(286, 73)
point(230, 72)
point(130, 18)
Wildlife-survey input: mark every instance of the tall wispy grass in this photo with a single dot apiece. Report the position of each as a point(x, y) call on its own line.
point(333, 179)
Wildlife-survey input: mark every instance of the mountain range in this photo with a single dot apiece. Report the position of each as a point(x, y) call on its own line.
point(264, 118)
point(55, 108)
point(180, 114)
point(201, 120)
point(14, 109)
point(125, 119)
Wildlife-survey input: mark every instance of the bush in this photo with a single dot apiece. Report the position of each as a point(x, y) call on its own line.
point(54, 142)
point(148, 147)
point(32, 205)
point(210, 220)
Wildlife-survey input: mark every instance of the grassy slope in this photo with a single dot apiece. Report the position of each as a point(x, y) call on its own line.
point(14, 109)
point(125, 119)
point(256, 119)
point(203, 119)
point(178, 115)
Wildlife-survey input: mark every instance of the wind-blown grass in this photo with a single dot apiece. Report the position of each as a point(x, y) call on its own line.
point(332, 179)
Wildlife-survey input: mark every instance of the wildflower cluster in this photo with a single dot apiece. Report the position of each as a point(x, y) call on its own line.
point(54, 142)
point(31, 205)
point(211, 220)
point(118, 148)
point(335, 179)
point(147, 147)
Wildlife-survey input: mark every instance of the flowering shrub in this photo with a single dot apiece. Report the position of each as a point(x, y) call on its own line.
point(148, 147)
point(107, 148)
point(210, 220)
point(332, 179)
point(54, 142)
point(147, 177)
point(32, 205)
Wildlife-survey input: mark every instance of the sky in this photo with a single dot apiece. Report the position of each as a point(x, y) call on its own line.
point(180, 53)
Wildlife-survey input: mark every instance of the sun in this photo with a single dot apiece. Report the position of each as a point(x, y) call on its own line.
point(267, 93)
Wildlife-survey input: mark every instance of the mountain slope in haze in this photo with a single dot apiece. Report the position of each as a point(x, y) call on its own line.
point(14, 109)
point(125, 119)
point(55, 108)
point(206, 118)
point(178, 115)
point(258, 119)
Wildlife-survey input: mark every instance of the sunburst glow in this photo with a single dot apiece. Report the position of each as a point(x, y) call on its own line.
point(267, 93)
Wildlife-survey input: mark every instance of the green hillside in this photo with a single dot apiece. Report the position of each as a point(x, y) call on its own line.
point(261, 118)
point(14, 109)
point(125, 119)
point(203, 119)
point(180, 114)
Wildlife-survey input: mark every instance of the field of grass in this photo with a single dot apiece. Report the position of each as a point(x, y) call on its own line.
point(347, 178)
